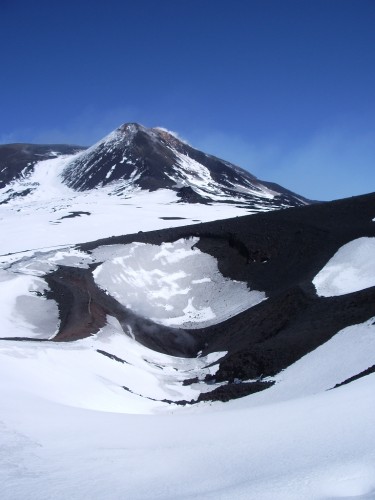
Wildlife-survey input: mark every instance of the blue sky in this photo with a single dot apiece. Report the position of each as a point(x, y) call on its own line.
point(283, 88)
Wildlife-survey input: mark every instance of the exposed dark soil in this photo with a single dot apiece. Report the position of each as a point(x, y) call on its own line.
point(230, 391)
point(71, 215)
point(112, 356)
point(83, 308)
point(172, 218)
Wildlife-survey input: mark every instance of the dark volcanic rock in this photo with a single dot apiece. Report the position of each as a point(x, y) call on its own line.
point(72, 215)
point(227, 392)
point(366, 372)
point(188, 195)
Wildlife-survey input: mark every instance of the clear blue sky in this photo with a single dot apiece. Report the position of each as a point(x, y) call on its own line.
point(284, 88)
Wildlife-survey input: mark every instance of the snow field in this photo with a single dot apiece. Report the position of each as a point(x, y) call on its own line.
point(314, 447)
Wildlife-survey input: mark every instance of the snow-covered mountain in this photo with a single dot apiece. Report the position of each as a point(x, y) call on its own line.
point(133, 158)
point(154, 159)
point(232, 358)
point(134, 179)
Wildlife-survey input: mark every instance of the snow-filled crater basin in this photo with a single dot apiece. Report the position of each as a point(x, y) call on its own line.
point(174, 284)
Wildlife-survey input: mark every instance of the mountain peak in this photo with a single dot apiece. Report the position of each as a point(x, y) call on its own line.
point(130, 128)
point(134, 157)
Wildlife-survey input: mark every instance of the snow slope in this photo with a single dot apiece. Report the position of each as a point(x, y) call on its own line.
point(352, 268)
point(313, 444)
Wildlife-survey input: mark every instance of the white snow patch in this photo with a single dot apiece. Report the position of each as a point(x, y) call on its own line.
point(110, 171)
point(173, 284)
point(352, 268)
point(24, 311)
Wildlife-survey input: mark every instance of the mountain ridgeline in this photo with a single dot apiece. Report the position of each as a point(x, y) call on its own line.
point(134, 157)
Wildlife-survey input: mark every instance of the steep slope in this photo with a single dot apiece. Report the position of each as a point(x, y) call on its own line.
point(136, 158)
point(155, 159)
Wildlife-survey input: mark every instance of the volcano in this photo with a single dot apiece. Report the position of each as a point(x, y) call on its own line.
point(141, 278)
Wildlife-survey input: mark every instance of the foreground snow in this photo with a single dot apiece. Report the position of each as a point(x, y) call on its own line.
point(310, 450)
point(308, 442)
